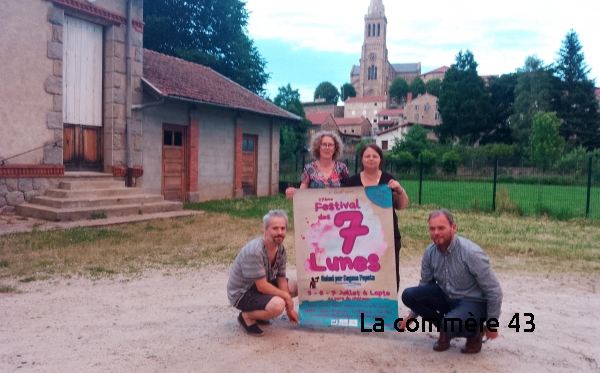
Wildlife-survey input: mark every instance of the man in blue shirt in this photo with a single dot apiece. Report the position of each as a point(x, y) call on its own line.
point(458, 288)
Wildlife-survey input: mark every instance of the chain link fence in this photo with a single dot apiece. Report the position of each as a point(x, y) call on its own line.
point(506, 184)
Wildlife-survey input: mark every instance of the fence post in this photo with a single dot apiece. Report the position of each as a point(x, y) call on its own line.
point(589, 188)
point(356, 164)
point(420, 177)
point(495, 181)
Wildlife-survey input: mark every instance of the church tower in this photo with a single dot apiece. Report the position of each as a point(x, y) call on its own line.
point(374, 63)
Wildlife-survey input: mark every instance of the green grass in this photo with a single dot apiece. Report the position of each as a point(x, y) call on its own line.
point(560, 202)
point(246, 208)
point(513, 242)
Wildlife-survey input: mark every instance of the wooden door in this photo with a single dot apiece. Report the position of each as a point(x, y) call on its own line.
point(82, 147)
point(249, 151)
point(82, 94)
point(173, 163)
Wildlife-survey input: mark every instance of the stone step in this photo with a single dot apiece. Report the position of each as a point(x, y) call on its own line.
point(93, 193)
point(82, 213)
point(84, 185)
point(96, 201)
point(88, 176)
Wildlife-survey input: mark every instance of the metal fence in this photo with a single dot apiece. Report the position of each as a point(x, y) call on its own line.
point(511, 184)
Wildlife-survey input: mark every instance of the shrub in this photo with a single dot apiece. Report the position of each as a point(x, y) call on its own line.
point(403, 161)
point(450, 161)
point(428, 161)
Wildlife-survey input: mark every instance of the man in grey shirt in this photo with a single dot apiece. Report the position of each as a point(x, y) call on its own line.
point(257, 283)
point(457, 287)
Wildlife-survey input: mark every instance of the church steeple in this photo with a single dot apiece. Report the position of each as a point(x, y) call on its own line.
point(376, 9)
point(374, 66)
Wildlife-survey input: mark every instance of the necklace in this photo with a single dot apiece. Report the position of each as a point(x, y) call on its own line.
point(369, 179)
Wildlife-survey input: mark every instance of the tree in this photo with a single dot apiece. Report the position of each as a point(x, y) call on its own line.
point(536, 90)
point(433, 87)
point(415, 141)
point(546, 143)
point(502, 97)
point(450, 162)
point(578, 105)
point(362, 144)
point(464, 103)
point(293, 135)
point(327, 91)
point(347, 90)
point(209, 32)
point(417, 87)
point(399, 89)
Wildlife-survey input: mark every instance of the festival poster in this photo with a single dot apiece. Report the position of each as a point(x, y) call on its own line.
point(344, 242)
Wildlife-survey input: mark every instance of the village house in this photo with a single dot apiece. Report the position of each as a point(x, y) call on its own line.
point(321, 122)
point(389, 118)
point(422, 110)
point(84, 102)
point(365, 107)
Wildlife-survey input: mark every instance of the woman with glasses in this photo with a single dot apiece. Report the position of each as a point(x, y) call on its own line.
point(325, 172)
point(371, 157)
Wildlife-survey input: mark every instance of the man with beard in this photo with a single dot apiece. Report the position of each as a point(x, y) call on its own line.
point(257, 284)
point(457, 285)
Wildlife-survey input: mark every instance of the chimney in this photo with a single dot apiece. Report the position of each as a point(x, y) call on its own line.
point(409, 97)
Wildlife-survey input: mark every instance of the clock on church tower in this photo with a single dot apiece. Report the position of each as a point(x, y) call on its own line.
point(372, 56)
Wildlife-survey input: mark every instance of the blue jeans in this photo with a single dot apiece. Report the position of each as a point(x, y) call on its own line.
point(430, 302)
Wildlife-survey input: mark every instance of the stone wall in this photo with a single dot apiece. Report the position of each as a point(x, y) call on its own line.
point(14, 191)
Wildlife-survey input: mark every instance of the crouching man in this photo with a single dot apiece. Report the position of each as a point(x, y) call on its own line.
point(457, 284)
point(257, 283)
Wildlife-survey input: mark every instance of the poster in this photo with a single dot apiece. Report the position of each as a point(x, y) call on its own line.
point(344, 242)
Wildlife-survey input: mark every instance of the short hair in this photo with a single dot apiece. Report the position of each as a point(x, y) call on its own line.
point(444, 212)
point(315, 144)
point(375, 147)
point(279, 213)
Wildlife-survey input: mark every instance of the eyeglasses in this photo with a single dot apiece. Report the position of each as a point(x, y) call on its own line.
point(327, 146)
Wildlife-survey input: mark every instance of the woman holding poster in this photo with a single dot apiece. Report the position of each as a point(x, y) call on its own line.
point(325, 172)
point(371, 157)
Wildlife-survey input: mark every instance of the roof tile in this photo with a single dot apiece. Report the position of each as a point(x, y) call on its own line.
point(178, 78)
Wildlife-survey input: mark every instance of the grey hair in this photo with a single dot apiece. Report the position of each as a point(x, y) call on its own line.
point(315, 144)
point(444, 212)
point(271, 214)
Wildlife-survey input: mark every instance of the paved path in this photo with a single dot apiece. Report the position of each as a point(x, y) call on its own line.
point(12, 223)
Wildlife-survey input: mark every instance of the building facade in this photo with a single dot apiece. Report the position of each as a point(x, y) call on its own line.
point(422, 110)
point(69, 97)
point(374, 74)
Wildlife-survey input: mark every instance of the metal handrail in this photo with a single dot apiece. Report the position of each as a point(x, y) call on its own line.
point(54, 145)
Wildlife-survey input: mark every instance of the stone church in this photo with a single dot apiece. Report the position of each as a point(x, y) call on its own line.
point(375, 73)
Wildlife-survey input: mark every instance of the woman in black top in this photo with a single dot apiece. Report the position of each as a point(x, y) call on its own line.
point(371, 158)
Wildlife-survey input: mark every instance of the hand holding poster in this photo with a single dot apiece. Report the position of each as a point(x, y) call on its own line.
point(345, 256)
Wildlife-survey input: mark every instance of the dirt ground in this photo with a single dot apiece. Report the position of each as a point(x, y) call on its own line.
point(181, 322)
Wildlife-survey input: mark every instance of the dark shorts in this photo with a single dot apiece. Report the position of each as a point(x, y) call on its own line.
point(254, 300)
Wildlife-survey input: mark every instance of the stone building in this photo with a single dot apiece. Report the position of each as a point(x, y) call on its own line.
point(438, 73)
point(422, 110)
point(374, 74)
point(389, 118)
point(71, 102)
point(315, 107)
point(365, 107)
point(354, 127)
point(321, 122)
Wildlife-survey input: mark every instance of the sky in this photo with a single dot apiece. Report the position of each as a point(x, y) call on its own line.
point(307, 42)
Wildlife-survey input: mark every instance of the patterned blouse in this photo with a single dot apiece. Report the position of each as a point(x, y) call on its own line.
point(312, 176)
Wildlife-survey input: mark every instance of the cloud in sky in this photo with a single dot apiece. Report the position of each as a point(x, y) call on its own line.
point(501, 34)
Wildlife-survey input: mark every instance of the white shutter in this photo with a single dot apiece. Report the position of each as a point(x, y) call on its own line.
point(82, 72)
